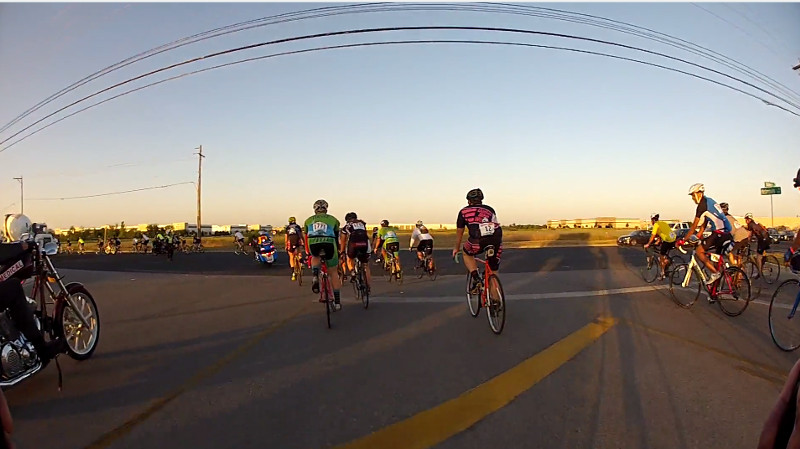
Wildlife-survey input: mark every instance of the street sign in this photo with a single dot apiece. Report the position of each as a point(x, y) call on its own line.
point(770, 190)
point(769, 184)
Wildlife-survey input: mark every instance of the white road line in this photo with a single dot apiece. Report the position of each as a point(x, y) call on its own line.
point(521, 297)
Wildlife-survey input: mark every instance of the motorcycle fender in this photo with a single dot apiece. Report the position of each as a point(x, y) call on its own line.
point(62, 304)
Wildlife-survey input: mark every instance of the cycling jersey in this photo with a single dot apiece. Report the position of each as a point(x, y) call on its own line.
point(356, 231)
point(294, 229)
point(321, 228)
point(664, 232)
point(420, 234)
point(759, 231)
point(239, 236)
point(480, 219)
point(388, 234)
point(708, 211)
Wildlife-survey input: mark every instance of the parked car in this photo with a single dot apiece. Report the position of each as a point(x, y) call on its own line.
point(681, 228)
point(635, 238)
point(787, 235)
point(774, 236)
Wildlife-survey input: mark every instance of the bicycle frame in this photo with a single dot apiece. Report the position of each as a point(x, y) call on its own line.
point(694, 265)
point(487, 272)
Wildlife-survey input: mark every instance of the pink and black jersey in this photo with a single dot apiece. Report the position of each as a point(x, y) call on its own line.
point(480, 219)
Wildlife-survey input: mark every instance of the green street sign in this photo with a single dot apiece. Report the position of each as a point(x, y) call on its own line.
point(769, 184)
point(770, 190)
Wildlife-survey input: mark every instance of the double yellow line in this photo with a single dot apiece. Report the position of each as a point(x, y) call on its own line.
point(437, 424)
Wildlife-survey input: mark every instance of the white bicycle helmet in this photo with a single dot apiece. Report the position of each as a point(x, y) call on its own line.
point(15, 225)
point(654, 216)
point(748, 215)
point(699, 187)
point(419, 223)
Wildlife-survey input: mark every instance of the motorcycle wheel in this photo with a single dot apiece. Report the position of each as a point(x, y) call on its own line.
point(70, 328)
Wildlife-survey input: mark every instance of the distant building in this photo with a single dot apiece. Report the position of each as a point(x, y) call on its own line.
point(599, 222)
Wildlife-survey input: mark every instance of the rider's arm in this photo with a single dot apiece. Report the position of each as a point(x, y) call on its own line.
point(459, 236)
point(693, 227)
point(414, 235)
point(652, 237)
point(342, 241)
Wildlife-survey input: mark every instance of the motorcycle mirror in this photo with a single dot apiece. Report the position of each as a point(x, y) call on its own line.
point(51, 248)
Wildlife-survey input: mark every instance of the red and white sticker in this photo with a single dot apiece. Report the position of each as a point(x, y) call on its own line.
point(11, 270)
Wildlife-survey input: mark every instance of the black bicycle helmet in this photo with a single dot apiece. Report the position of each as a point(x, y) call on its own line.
point(350, 216)
point(384, 222)
point(475, 195)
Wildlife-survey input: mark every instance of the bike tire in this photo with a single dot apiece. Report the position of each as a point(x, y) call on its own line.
point(363, 287)
point(772, 270)
point(328, 300)
point(684, 296)
point(651, 268)
point(739, 292)
point(674, 261)
point(750, 269)
point(432, 270)
point(299, 273)
point(785, 330)
point(496, 310)
point(86, 302)
point(473, 301)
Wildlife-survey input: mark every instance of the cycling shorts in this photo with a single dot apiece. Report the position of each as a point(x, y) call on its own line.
point(425, 246)
point(717, 241)
point(331, 253)
point(358, 250)
point(473, 247)
point(666, 247)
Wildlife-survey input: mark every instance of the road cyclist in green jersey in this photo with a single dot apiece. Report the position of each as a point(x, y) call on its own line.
point(322, 233)
point(388, 241)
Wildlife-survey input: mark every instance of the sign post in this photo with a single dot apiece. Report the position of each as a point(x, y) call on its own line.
point(771, 189)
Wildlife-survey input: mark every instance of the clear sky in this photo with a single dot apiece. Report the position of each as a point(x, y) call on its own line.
point(396, 132)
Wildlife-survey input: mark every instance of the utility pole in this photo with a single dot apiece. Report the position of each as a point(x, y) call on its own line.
point(199, 179)
point(21, 200)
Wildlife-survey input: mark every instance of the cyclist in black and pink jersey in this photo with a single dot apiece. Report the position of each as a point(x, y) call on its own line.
point(484, 230)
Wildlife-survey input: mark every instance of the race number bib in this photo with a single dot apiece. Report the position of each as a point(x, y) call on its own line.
point(319, 228)
point(391, 235)
point(486, 229)
point(359, 227)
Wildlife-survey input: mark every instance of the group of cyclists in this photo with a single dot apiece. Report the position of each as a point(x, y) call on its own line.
point(727, 233)
point(322, 236)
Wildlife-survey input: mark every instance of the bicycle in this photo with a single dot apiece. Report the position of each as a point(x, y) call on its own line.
point(389, 270)
point(428, 266)
point(770, 270)
point(784, 334)
point(687, 280)
point(652, 267)
point(495, 306)
point(297, 272)
point(325, 288)
point(239, 248)
point(360, 284)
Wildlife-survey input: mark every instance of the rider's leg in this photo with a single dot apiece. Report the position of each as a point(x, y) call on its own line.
point(336, 283)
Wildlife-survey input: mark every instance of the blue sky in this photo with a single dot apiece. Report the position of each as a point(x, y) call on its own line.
point(397, 132)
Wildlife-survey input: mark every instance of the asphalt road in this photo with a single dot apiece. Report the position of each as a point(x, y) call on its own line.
point(591, 357)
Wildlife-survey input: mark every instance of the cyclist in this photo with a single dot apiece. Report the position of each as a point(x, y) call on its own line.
point(483, 230)
point(293, 238)
point(710, 213)
point(355, 241)
point(663, 232)
point(387, 240)
point(238, 239)
point(81, 244)
point(425, 239)
point(322, 233)
point(375, 239)
point(145, 242)
point(755, 228)
point(740, 234)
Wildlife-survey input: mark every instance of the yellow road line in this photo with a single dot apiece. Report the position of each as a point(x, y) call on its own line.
point(437, 424)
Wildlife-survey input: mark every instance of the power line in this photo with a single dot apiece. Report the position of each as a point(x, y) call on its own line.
point(110, 193)
point(389, 7)
point(370, 44)
point(756, 40)
point(394, 29)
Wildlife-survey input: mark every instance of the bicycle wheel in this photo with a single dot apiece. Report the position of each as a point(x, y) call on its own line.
point(650, 269)
point(750, 269)
point(496, 311)
point(362, 284)
point(733, 295)
point(324, 291)
point(674, 261)
point(431, 266)
point(771, 270)
point(298, 272)
point(784, 323)
point(473, 301)
point(684, 296)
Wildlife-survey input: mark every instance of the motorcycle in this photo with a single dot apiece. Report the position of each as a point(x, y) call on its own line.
point(266, 253)
point(74, 317)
